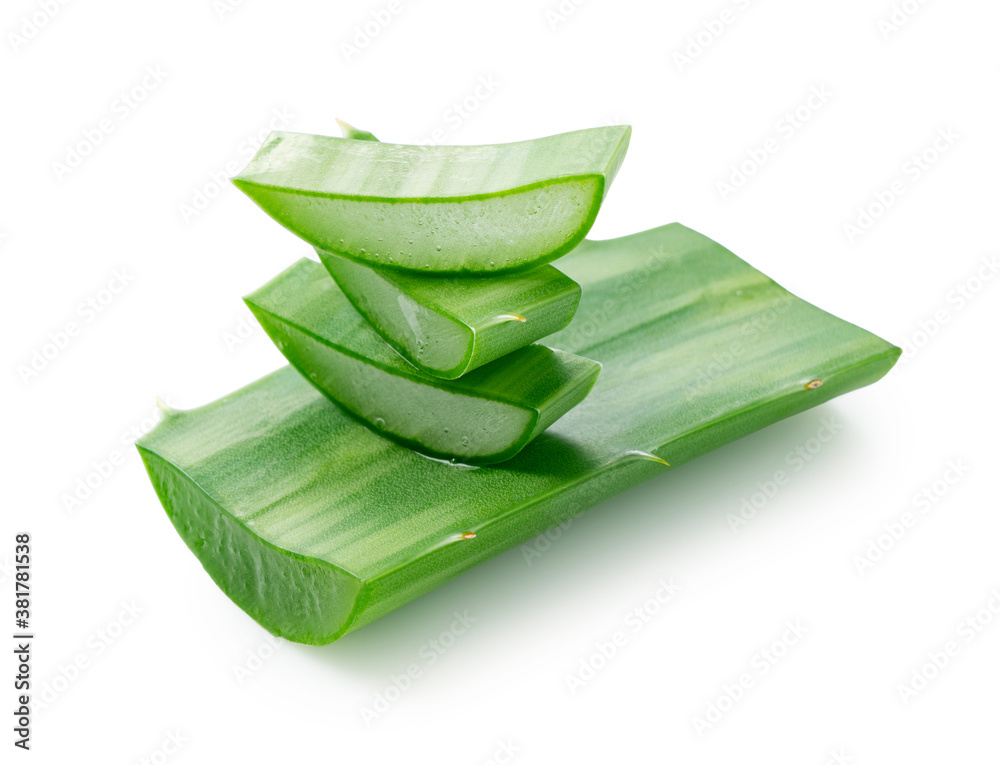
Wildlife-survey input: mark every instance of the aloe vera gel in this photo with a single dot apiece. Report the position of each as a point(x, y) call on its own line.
point(455, 209)
point(486, 416)
point(450, 325)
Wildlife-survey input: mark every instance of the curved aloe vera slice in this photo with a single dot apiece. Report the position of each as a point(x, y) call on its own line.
point(487, 416)
point(437, 208)
point(315, 526)
point(448, 326)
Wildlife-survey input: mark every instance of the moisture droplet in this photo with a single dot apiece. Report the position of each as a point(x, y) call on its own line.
point(379, 423)
point(439, 248)
point(446, 430)
point(362, 250)
point(465, 440)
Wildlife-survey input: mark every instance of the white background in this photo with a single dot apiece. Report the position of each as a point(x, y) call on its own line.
point(178, 330)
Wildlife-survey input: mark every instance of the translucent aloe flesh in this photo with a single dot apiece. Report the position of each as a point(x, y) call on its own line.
point(316, 526)
point(454, 209)
point(487, 416)
point(450, 325)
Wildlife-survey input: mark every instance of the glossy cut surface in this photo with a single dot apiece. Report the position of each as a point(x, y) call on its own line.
point(450, 325)
point(316, 526)
point(452, 209)
point(487, 416)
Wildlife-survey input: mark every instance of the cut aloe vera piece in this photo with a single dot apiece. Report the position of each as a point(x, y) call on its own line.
point(437, 208)
point(487, 416)
point(450, 325)
point(315, 526)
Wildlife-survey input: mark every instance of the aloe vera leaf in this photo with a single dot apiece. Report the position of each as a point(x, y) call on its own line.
point(449, 325)
point(487, 416)
point(453, 209)
point(315, 526)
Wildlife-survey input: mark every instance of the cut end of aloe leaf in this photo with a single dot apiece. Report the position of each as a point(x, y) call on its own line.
point(449, 209)
point(266, 581)
point(450, 325)
point(485, 417)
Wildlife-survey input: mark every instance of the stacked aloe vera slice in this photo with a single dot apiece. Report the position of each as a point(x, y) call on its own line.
point(317, 518)
point(436, 283)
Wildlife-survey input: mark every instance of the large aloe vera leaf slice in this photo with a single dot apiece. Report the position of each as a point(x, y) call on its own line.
point(487, 416)
point(437, 208)
point(450, 325)
point(315, 526)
